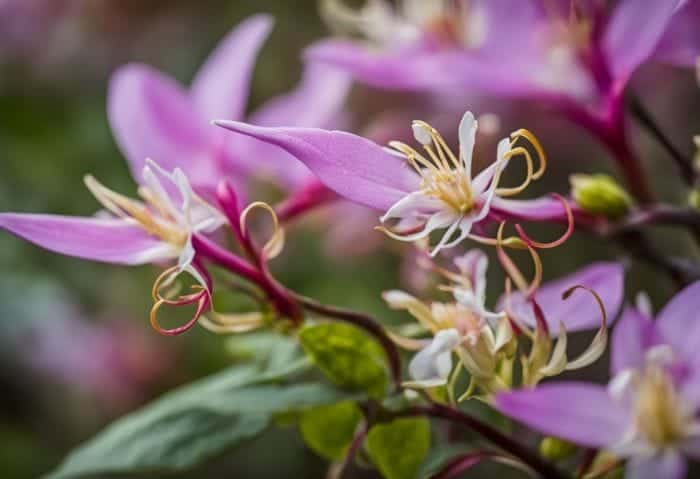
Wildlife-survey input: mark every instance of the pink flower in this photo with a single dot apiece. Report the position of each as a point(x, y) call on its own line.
point(648, 412)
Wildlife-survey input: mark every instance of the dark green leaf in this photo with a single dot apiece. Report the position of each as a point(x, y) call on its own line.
point(190, 425)
point(399, 448)
point(439, 456)
point(348, 356)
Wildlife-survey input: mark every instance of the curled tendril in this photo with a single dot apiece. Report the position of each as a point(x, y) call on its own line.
point(521, 151)
point(512, 269)
point(532, 139)
point(201, 296)
point(275, 244)
point(552, 244)
point(597, 347)
point(233, 323)
point(515, 152)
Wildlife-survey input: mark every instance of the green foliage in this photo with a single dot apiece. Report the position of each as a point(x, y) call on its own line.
point(399, 448)
point(197, 422)
point(439, 456)
point(329, 430)
point(348, 356)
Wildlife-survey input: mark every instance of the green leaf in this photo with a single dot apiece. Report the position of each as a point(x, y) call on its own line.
point(348, 356)
point(329, 430)
point(439, 456)
point(274, 350)
point(399, 448)
point(195, 423)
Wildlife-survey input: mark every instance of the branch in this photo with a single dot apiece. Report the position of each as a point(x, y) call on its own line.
point(684, 164)
point(538, 464)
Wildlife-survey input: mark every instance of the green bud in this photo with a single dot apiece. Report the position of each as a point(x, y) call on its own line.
point(556, 449)
point(600, 194)
point(696, 158)
point(694, 199)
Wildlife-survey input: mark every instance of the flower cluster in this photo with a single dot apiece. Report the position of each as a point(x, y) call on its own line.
point(197, 160)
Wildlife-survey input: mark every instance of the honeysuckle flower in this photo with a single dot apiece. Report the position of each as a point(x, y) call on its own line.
point(552, 310)
point(152, 116)
point(456, 326)
point(574, 57)
point(423, 192)
point(578, 313)
point(487, 340)
point(648, 412)
point(159, 227)
point(579, 50)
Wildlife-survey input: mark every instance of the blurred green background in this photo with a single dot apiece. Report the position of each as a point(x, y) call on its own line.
point(77, 350)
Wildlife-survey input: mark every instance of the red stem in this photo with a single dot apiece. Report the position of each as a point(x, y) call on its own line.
point(491, 434)
point(308, 197)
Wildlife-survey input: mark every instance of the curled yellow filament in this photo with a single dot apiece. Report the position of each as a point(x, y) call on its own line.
point(275, 243)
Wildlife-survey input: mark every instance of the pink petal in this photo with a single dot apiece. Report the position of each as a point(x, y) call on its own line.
point(680, 45)
point(545, 208)
point(633, 335)
point(409, 69)
point(667, 464)
point(220, 89)
point(106, 240)
point(315, 103)
point(634, 32)
point(579, 412)
point(152, 117)
point(580, 311)
point(350, 165)
point(678, 321)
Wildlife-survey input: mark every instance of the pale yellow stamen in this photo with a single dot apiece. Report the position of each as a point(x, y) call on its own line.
point(657, 413)
point(456, 316)
point(162, 225)
point(443, 175)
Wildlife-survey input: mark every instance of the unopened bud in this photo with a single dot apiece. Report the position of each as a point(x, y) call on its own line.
point(600, 194)
point(556, 449)
point(694, 199)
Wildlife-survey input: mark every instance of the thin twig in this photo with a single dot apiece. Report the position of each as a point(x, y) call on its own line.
point(538, 464)
point(684, 164)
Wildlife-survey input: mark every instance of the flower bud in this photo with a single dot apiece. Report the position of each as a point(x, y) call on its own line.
point(694, 199)
point(556, 449)
point(600, 194)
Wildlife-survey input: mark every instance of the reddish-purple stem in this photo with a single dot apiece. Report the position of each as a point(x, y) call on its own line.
point(310, 196)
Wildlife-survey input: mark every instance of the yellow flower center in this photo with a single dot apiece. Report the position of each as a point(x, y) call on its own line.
point(657, 409)
point(443, 175)
point(456, 316)
point(153, 215)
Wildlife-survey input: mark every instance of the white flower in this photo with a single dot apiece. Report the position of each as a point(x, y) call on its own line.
point(170, 211)
point(449, 197)
point(431, 366)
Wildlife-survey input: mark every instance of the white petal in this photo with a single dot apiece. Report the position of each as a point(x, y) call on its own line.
point(186, 255)
point(161, 252)
point(431, 362)
point(445, 237)
point(483, 179)
point(158, 191)
point(413, 203)
point(467, 138)
point(439, 220)
point(465, 227)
